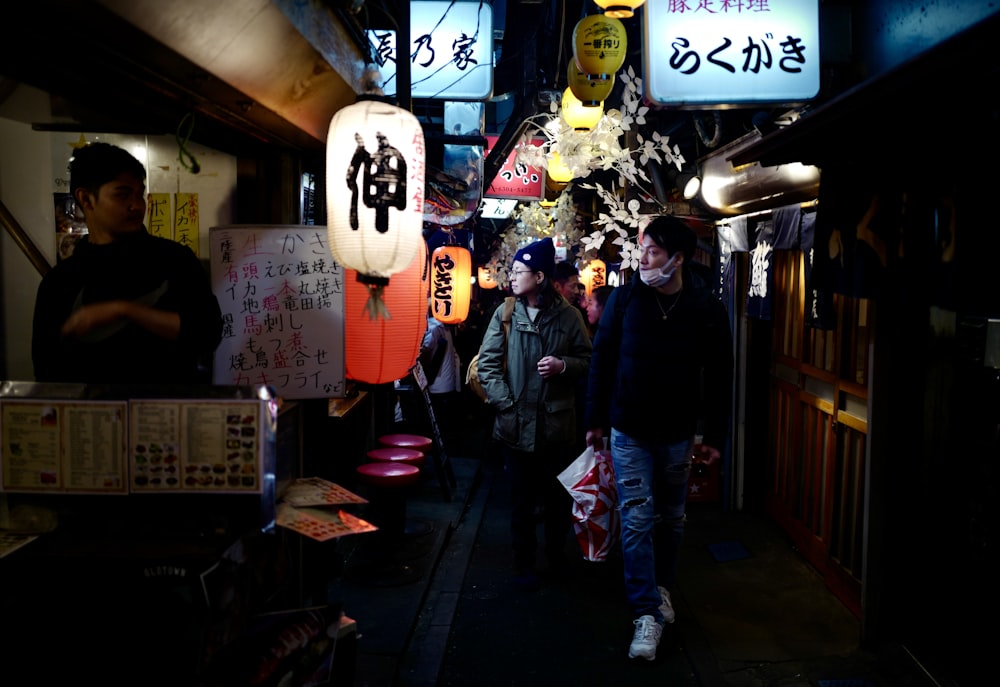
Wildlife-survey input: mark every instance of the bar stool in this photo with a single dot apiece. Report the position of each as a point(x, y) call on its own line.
point(403, 456)
point(387, 484)
point(413, 441)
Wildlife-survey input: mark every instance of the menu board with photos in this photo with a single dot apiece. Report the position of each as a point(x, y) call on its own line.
point(215, 446)
point(63, 446)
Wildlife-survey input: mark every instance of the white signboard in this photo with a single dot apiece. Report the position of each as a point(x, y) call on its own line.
point(282, 298)
point(721, 52)
point(450, 51)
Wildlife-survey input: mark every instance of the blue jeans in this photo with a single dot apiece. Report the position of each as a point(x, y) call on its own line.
point(652, 480)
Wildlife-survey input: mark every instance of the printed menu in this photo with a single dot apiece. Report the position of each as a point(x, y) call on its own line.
point(196, 445)
point(63, 446)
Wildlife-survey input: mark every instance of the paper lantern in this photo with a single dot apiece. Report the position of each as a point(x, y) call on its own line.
point(486, 280)
point(591, 91)
point(599, 44)
point(451, 283)
point(382, 350)
point(577, 115)
point(593, 275)
point(557, 169)
point(619, 9)
point(375, 168)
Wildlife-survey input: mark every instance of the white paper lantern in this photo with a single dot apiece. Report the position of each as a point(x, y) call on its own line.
point(375, 169)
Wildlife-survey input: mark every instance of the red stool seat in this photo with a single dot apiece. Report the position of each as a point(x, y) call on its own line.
point(388, 474)
point(414, 441)
point(406, 456)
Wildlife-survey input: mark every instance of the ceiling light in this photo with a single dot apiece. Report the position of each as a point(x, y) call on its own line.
point(619, 9)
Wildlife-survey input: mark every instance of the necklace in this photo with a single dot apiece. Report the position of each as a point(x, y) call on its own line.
point(672, 305)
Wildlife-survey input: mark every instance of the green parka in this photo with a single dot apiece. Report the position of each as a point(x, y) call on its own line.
point(531, 410)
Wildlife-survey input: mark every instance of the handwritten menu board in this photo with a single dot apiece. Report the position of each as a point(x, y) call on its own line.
point(63, 446)
point(282, 299)
point(185, 446)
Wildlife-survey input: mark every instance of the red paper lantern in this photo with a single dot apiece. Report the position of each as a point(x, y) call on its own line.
point(383, 350)
point(486, 279)
point(451, 283)
point(593, 275)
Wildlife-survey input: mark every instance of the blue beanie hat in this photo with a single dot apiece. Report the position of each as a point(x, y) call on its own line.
point(539, 256)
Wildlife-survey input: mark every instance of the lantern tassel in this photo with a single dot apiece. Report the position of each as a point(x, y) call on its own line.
point(375, 305)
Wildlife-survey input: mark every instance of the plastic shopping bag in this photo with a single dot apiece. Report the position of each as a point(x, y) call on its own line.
point(590, 480)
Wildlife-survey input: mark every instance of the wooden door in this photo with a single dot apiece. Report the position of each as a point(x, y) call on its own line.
point(818, 429)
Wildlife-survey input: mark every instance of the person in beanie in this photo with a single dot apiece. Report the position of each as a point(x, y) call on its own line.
point(530, 379)
point(662, 363)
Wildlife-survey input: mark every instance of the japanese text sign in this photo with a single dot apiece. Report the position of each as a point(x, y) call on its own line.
point(450, 51)
point(715, 52)
point(516, 180)
point(282, 299)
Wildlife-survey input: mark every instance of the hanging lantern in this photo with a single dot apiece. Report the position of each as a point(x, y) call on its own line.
point(382, 350)
point(577, 115)
point(375, 161)
point(557, 169)
point(619, 9)
point(591, 91)
point(599, 45)
point(451, 283)
point(593, 275)
point(486, 280)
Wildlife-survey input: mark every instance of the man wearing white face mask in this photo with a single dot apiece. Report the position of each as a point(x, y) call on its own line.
point(661, 367)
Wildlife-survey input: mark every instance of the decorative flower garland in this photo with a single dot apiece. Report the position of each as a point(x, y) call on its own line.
point(601, 148)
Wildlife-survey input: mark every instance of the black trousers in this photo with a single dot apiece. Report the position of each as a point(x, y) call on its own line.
point(534, 484)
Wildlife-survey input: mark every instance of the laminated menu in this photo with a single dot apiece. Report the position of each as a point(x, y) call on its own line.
point(197, 445)
point(63, 446)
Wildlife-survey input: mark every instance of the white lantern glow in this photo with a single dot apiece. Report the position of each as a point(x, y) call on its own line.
point(375, 173)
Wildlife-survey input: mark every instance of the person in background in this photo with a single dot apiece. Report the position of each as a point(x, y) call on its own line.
point(662, 364)
point(534, 396)
point(566, 280)
point(443, 370)
point(126, 307)
point(595, 305)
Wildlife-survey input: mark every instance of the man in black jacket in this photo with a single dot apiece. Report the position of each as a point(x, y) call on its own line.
point(662, 364)
point(126, 307)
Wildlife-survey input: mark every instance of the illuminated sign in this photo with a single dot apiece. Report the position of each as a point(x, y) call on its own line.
point(516, 180)
point(450, 51)
point(721, 52)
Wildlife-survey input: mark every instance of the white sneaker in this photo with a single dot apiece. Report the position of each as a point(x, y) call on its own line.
point(646, 638)
point(666, 608)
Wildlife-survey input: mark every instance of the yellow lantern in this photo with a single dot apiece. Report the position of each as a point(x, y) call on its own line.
point(375, 160)
point(557, 169)
point(577, 115)
point(599, 44)
point(451, 283)
point(486, 280)
point(620, 9)
point(591, 91)
point(593, 275)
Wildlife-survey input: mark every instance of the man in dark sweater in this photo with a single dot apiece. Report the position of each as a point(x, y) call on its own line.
point(126, 307)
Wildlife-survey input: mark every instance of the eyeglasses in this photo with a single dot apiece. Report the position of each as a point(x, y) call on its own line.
point(514, 274)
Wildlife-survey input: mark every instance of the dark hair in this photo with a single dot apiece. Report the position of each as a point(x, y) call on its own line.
point(672, 235)
point(563, 271)
point(601, 294)
point(96, 164)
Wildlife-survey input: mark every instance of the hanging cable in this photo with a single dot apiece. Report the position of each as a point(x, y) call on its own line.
point(184, 156)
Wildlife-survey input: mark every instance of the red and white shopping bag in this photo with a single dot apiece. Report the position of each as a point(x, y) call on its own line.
point(590, 480)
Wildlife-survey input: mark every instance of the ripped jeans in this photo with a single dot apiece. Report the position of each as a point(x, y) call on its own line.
point(652, 480)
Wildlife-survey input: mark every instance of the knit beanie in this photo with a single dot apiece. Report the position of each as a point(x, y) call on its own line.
point(539, 256)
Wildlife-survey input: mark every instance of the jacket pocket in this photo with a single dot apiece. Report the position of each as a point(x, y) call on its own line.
point(507, 425)
point(560, 420)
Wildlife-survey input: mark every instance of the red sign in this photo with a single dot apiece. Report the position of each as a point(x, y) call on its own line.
point(517, 181)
